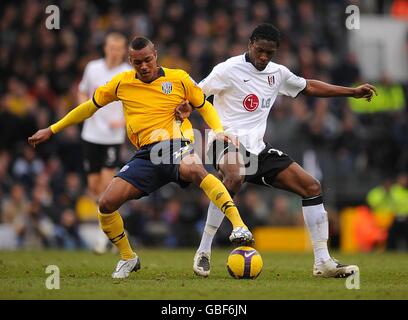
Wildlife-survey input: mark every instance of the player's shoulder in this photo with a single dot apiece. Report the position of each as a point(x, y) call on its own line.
point(273, 66)
point(126, 75)
point(230, 63)
point(174, 73)
point(177, 75)
point(235, 60)
point(232, 67)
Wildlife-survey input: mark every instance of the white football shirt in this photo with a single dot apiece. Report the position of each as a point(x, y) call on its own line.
point(97, 129)
point(243, 96)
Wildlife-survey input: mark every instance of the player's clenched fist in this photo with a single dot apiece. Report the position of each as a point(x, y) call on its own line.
point(183, 110)
point(40, 136)
point(365, 91)
point(228, 138)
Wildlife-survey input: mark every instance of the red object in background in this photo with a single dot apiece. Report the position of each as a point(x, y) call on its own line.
point(367, 233)
point(399, 9)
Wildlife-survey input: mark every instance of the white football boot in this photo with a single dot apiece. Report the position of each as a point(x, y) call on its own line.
point(333, 269)
point(125, 267)
point(201, 264)
point(241, 236)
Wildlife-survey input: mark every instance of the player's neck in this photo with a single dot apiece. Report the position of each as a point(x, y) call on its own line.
point(248, 59)
point(156, 74)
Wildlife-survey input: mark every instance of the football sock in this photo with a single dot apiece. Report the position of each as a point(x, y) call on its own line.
point(317, 223)
point(219, 195)
point(112, 225)
point(214, 220)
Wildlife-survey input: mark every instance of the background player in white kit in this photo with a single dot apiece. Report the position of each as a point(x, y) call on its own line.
point(104, 132)
point(245, 88)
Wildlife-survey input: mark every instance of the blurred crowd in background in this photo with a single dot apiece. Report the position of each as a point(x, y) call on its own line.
point(43, 197)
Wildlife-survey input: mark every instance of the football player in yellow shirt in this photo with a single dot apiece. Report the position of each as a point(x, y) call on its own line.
point(150, 95)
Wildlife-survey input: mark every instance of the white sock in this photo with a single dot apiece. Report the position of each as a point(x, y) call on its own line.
point(317, 223)
point(214, 220)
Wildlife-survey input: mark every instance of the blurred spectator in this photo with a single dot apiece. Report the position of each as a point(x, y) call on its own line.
point(15, 206)
point(67, 233)
point(27, 166)
point(6, 182)
point(281, 214)
point(398, 232)
point(71, 192)
point(347, 72)
point(380, 198)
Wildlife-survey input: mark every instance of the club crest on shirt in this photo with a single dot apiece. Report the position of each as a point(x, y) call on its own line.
point(271, 80)
point(167, 87)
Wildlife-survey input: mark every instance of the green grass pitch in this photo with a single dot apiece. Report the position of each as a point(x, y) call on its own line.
point(167, 274)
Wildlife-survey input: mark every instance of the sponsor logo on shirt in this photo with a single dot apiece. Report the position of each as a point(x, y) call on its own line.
point(251, 102)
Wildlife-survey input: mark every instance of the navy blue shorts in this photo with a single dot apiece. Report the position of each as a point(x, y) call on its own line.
point(155, 165)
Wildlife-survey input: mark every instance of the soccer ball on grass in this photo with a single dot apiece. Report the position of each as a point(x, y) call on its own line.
point(244, 263)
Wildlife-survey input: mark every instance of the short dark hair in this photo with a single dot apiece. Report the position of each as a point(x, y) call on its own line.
point(265, 31)
point(139, 43)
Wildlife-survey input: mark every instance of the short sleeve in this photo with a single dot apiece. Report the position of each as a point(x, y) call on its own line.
point(216, 81)
point(85, 84)
point(292, 84)
point(107, 93)
point(194, 94)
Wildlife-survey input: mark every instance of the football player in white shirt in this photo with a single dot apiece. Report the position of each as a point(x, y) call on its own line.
point(245, 88)
point(104, 132)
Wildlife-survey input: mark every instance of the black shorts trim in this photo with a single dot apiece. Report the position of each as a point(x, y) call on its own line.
point(99, 156)
point(270, 161)
point(219, 148)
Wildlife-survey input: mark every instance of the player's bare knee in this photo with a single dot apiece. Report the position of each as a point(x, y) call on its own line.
point(233, 182)
point(106, 205)
point(198, 173)
point(313, 189)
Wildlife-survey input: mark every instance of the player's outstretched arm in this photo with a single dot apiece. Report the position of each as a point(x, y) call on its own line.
point(77, 115)
point(318, 88)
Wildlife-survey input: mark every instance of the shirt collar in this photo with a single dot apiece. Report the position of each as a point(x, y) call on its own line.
point(161, 73)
